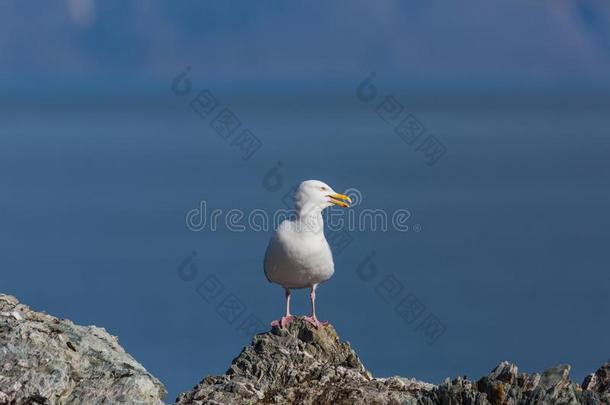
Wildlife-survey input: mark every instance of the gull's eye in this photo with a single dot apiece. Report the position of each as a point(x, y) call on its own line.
point(323, 188)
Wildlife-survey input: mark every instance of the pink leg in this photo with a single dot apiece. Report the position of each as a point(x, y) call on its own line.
point(313, 319)
point(287, 319)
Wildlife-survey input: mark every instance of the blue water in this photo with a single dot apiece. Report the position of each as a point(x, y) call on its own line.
point(510, 260)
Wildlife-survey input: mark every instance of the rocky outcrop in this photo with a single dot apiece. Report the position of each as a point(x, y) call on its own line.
point(303, 365)
point(45, 360)
point(505, 385)
point(300, 365)
point(48, 361)
point(599, 381)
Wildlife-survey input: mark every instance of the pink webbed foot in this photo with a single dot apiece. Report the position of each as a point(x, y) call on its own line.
point(281, 323)
point(315, 322)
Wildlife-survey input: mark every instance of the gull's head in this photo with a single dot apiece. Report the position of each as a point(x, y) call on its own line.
point(317, 195)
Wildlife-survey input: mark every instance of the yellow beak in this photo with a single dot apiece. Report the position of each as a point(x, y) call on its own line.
point(338, 199)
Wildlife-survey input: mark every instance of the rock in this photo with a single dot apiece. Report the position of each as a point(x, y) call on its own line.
point(45, 360)
point(303, 365)
point(48, 361)
point(598, 381)
point(506, 386)
point(598, 384)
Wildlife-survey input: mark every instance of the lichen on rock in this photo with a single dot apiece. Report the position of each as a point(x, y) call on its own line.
point(304, 365)
point(300, 365)
point(47, 361)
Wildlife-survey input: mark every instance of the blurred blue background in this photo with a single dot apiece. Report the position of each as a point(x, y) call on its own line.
point(100, 161)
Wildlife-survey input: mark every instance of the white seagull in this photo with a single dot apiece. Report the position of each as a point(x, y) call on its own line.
point(298, 255)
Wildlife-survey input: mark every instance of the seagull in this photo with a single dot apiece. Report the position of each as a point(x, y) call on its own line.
point(298, 255)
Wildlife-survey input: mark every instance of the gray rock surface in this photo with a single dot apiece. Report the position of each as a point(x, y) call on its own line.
point(599, 381)
point(45, 360)
point(505, 385)
point(302, 365)
point(48, 361)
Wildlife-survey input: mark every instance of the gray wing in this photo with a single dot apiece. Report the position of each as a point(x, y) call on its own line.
point(266, 259)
